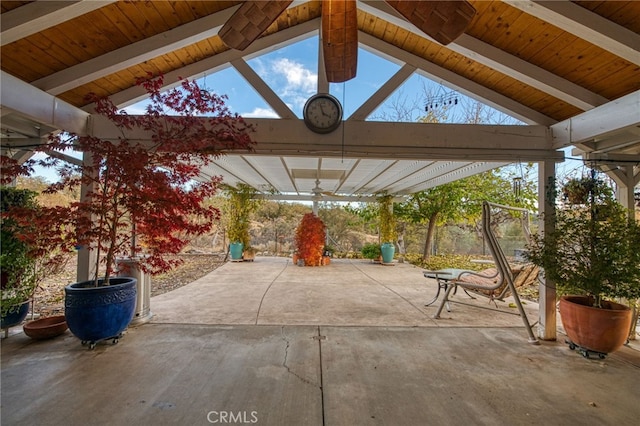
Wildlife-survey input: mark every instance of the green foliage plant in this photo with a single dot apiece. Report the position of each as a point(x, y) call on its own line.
point(241, 202)
point(371, 251)
point(594, 249)
point(25, 262)
point(386, 219)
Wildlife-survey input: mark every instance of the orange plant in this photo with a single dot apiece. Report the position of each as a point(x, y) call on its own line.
point(310, 236)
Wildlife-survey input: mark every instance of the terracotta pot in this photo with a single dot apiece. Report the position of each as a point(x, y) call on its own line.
point(599, 330)
point(46, 328)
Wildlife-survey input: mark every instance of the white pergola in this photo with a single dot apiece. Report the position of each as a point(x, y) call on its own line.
point(361, 158)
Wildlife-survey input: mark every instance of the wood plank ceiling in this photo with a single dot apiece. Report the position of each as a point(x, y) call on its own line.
point(544, 63)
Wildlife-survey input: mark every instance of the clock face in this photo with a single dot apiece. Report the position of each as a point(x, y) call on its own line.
point(322, 113)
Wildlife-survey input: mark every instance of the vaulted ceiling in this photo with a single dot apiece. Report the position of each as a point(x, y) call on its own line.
point(569, 70)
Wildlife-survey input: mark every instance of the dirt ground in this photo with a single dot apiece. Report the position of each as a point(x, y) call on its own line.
point(49, 298)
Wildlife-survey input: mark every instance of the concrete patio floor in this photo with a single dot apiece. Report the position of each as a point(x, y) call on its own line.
point(351, 343)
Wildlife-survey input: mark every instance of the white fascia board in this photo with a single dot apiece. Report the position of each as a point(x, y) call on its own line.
point(37, 16)
point(221, 61)
point(457, 82)
point(585, 24)
point(40, 106)
point(499, 60)
point(599, 122)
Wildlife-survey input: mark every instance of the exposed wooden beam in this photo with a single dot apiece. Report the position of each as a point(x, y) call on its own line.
point(382, 140)
point(40, 106)
point(37, 16)
point(134, 54)
point(383, 93)
point(263, 89)
point(221, 61)
point(585, 24)
point(499, 60)
point(605, 120)
point(458, 83)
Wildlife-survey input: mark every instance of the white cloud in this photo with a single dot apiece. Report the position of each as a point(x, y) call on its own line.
point(260, 113)
point(297, 76)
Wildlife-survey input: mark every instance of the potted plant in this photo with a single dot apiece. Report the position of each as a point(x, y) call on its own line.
point(241, 202)
point(593, 256)
point(577, 190)
point(24, 262)
point(310, 239)
point(145, 199)
point(387, 226)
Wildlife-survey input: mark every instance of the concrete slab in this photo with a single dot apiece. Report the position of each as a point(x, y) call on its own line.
point(166, 375)
point(351, 343)
point(272, 290)
point(427, 376)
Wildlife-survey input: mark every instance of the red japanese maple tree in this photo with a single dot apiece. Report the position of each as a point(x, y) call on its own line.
point(146, 195)
point(310, 239)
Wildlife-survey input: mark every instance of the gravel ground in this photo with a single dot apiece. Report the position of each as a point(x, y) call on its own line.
point(49, 298)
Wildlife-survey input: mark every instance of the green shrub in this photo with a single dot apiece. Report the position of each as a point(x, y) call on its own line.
point(371, 251)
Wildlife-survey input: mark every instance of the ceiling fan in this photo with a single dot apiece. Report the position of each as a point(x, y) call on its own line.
point(444, 21)
point(317, 192)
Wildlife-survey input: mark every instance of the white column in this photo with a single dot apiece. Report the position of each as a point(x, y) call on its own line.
point(87, 257)
point(547, 289)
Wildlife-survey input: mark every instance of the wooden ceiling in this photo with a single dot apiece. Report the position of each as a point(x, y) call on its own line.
point(37, 57)
point(542, 62)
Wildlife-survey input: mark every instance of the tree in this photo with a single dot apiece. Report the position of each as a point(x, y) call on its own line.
point(433, 206)
point(461, 200)
point(310, 236)
point(241, 202)
point(144, 197)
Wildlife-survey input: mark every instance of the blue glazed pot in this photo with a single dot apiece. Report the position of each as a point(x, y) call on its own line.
point(388, 250)
point(15, 316)
point(236, 250)
point(98, 313)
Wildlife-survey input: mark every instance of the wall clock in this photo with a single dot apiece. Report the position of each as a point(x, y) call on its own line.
point(322, 113)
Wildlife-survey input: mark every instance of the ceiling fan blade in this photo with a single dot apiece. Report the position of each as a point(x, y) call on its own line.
point(249, 21)
point(444, 21)
point(340, 39)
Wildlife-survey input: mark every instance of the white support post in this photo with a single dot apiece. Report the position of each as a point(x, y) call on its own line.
point(547, 289)
point(87, 257)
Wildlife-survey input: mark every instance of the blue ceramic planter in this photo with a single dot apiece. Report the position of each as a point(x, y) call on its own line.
point(235, 250)
point(388, 250)
point(99, 313)
point(15, 316)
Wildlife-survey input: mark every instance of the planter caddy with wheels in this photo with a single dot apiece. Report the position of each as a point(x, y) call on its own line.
point(143, 198)
point(593, 256)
